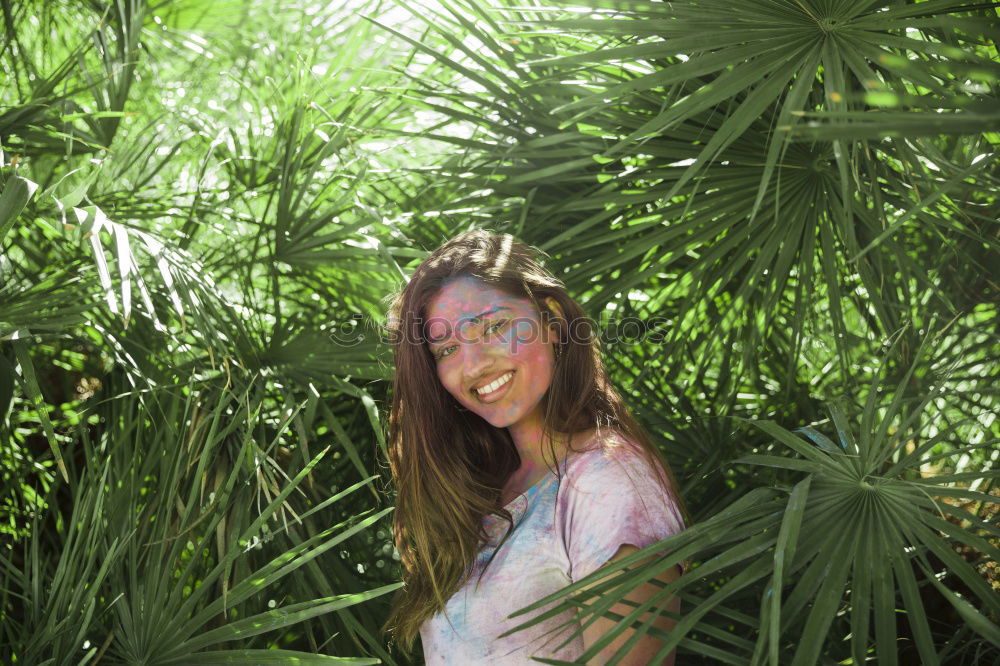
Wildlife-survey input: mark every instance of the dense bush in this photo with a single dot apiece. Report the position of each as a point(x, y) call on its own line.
point(781, 213)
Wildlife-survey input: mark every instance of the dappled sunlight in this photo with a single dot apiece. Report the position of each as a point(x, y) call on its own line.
point(777, 217)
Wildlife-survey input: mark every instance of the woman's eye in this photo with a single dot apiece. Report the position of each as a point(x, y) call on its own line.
point(489, 329)
point(496, 326)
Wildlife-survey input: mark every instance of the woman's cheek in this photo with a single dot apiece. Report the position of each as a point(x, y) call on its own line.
point(446, 381)
point(523, 334)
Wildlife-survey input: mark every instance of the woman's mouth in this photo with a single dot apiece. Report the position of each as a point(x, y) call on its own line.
point(495, 389)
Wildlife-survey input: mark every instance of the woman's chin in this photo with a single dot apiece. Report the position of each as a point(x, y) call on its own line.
point(496, 418)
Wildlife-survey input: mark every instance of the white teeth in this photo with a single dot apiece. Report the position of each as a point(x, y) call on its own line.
point(489, 388)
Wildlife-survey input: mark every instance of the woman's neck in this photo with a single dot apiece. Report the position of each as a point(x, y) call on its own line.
point(536, 457)
point(535, 452)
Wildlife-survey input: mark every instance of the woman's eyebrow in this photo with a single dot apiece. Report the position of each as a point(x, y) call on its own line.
point(477, 318)
point(489, 312)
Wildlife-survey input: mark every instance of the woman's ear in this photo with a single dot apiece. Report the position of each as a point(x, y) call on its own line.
point(554, 307)
point(557, 324)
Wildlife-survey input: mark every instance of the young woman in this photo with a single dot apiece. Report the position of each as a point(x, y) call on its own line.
point(519, 469)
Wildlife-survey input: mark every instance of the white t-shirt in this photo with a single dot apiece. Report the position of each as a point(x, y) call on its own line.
point(608, 496)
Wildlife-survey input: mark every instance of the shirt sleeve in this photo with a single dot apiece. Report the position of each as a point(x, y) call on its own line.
point(611, 497)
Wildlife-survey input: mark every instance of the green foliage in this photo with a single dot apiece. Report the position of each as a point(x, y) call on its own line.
point(863, 524)
point(782, 214)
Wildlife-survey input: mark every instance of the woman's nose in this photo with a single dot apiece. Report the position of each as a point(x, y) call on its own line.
point(477, 358)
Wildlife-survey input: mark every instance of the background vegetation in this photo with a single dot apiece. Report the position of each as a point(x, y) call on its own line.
point(783, 214)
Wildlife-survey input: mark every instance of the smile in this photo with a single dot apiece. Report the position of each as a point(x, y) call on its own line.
point(494, 389)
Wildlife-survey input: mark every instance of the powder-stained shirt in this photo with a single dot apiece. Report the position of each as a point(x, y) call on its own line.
point(563, 531)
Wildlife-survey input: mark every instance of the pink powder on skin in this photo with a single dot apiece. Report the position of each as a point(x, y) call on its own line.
point(471, 353)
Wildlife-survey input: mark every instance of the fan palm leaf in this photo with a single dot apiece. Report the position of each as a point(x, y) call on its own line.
point(863, 526)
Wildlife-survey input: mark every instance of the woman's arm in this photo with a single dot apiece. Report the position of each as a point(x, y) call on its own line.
point(647, 647)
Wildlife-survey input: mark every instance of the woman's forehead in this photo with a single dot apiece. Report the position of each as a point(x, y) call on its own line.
point(468, 297)
point(465, 300)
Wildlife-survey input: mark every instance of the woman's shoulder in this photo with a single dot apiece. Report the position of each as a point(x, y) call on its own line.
point(603, 442)
point(605, 450)
point(613, 494)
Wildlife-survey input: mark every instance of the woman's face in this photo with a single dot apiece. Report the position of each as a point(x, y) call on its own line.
point(481, 338)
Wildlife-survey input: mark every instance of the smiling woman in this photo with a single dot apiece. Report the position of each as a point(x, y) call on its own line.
point(518, 467)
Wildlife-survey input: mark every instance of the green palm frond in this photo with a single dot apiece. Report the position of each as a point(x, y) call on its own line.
point(694, 186)
point(174, 567)
point(204, 204)
point(866, 527)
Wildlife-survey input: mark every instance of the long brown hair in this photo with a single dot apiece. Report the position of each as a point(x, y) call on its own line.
point(449, 464)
